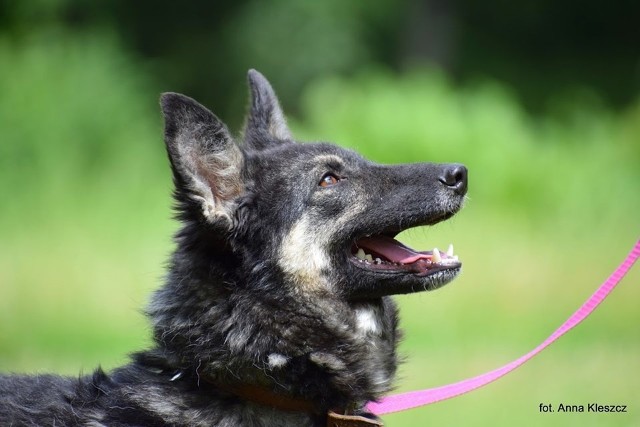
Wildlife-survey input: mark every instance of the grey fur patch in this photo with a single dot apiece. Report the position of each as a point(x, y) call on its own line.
point(367, 320)
point(327, 361)
point(276, 360)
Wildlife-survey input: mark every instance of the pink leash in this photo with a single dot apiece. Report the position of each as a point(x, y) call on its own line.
point(413, 399)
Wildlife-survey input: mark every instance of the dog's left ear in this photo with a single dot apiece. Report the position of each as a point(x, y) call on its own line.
point(206, 162)
point(266, 125)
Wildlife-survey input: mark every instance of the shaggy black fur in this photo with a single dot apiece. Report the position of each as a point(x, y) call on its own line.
point(263, 288)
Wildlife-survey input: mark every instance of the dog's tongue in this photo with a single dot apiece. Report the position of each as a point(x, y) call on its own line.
point(392, 250)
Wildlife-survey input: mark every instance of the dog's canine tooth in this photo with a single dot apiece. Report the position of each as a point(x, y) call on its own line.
point(378, 261)
point(368, 257)
point(450, 250)
point(360, 254)
point(436, 255)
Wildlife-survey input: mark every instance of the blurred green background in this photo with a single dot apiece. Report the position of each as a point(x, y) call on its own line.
point(541, 100)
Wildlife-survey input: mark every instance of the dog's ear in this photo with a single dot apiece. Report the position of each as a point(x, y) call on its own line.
point(206, 163)
point(265, 125)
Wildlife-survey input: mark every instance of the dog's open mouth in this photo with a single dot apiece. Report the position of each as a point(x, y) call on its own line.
point(386, 254)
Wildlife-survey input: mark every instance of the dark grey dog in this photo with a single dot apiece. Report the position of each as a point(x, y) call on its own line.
point(276, 307)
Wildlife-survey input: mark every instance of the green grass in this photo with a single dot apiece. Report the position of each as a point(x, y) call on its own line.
point(85, 227)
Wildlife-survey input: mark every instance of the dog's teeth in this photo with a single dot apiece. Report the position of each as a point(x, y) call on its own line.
point(368, 257)
point(360, 254)
point(450, 250)
point(436, 255)
point(378, 261)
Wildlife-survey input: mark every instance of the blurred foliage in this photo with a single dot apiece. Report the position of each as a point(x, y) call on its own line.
point(110, 143)
point(540, 48)
point(83, 178)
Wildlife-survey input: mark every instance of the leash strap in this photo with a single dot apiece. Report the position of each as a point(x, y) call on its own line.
point(414, 399)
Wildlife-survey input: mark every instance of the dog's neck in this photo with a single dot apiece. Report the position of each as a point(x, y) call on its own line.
point(337, 356)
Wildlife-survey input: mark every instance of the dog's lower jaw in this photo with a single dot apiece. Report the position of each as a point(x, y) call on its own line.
point(371, 286)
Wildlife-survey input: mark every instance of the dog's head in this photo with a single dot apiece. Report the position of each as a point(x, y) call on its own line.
point(320, 218)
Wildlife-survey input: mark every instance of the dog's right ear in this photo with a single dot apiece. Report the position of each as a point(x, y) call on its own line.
point(206, 162)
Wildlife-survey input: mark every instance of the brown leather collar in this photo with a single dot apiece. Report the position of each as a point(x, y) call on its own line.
point(264, 396)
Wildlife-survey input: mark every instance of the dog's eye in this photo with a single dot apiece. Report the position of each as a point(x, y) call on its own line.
point(328, 179)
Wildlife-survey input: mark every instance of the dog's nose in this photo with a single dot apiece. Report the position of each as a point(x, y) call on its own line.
point(455, 177)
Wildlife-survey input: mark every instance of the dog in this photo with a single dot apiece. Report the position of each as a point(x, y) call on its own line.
point(276, 309)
